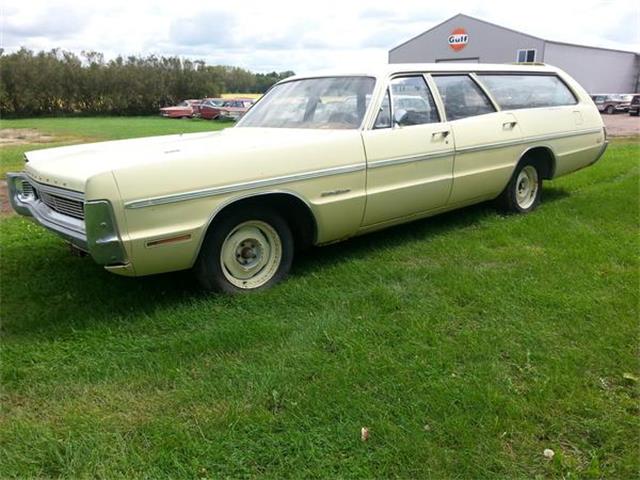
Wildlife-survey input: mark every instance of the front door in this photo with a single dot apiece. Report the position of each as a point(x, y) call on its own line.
point(409, 154)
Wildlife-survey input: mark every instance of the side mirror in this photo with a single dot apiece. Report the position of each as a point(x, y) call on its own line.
point(400, 116)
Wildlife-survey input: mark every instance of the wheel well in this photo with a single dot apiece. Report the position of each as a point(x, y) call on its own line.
point(295, 211)
point(544, 158)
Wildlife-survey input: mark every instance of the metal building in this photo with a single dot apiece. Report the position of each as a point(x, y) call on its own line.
point(467, 39)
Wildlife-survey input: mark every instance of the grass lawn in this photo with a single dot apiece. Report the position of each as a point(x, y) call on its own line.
point(467, 343)
point(82, 129)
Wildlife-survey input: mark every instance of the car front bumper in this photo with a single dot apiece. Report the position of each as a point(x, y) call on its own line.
point(96, 233)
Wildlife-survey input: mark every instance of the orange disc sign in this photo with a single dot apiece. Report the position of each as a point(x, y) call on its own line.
point(458, 39)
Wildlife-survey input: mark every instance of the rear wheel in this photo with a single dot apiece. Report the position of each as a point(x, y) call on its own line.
point(524, 189)
point(610, 110)
point(245, 252)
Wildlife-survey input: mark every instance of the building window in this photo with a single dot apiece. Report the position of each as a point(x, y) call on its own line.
point(526, 55)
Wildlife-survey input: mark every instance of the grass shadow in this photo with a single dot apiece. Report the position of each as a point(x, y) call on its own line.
point(422, 229)
point(46, 284)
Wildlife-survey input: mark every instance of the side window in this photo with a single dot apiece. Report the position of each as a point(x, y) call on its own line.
point(413, 103)
point(528, 91)
point(462, 97)
point(383, 120)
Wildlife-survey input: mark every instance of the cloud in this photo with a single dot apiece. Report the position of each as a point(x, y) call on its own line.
point(386, 38)
point(215, 28)
point(288, 34)
point(377, 13)
point(53, 24)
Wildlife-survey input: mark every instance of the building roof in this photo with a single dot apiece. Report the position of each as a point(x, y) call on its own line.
point(462, 15)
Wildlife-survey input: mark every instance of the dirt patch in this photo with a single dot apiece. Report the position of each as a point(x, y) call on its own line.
point(20, 136)
point(621, 125)
point(5, 206)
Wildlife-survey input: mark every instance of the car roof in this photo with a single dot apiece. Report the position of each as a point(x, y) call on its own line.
point(398, 68)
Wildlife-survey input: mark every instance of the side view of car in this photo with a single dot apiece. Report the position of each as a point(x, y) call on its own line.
point(209, 108)
point(225, 109)
point(185, 109)
point(317, 160)
point(611, 104)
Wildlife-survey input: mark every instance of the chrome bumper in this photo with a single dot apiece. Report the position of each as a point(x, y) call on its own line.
point(69, 228)
point(97, 234)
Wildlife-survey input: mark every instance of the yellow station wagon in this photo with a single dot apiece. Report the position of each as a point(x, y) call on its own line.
point(318, 159)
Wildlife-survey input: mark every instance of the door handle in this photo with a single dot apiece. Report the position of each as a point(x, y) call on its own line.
point(509, 125)
point(442, 133)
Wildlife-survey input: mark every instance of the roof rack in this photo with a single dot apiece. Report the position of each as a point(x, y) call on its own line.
point(542, 64)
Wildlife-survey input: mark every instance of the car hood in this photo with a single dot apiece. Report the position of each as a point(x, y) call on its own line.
point(71, 166)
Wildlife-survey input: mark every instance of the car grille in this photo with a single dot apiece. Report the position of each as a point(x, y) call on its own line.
point(27, 189)
point(65, 206)
point(62, 205)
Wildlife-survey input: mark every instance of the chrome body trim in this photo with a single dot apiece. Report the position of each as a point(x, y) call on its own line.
point(335, 192)
point(268, 182)
point(103, 239)
point(70, 228)
point(97, 234)
point(236, 187)
point(410, 159)
point(61, 192)
point(522, 141)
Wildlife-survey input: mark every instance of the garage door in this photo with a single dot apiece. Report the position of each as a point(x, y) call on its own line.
point(458, 60)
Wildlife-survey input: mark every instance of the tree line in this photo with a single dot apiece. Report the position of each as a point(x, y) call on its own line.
point(59, 82)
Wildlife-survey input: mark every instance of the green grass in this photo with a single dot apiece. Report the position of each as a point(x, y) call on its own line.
point(467, 344)
point(94, 129)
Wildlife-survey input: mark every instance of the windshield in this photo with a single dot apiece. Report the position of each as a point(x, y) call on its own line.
point(329, 102)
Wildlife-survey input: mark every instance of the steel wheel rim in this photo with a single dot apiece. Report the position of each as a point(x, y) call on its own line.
point(527, 187)
point(251, 254)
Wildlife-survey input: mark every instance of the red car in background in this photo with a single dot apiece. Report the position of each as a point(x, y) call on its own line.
point(209, 107)
point(217, 108)
point(185, 109)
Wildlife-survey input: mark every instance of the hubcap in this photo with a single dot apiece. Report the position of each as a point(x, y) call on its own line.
point(251, 254)
point(527, 187)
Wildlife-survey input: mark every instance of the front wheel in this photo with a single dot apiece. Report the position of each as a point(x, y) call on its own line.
point(524, 189)
point(610, 110)
point(245, 252)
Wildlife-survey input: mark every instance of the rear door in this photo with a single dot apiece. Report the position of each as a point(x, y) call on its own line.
point(548, 111)
point(409, 153)
point(485, 139)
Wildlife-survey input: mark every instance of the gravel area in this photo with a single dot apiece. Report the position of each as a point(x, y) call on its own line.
point(621, 125)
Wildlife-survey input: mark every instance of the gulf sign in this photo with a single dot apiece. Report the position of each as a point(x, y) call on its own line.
point(458, 39)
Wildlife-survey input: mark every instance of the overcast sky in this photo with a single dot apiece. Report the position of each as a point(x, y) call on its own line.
point(265, 35)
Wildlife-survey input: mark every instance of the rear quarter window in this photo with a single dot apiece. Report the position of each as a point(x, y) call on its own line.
point(528, 91)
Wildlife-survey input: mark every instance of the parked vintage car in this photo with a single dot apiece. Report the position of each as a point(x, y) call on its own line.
point(634, 105)
point(611, 104)
point(209, 107)
point(185, 109)
point(237, 204)
point(229, 109)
